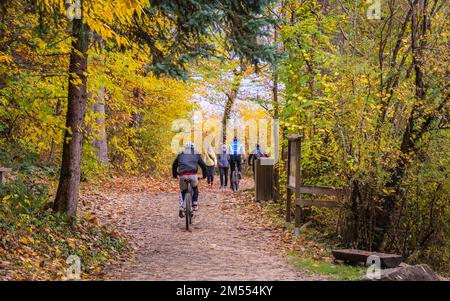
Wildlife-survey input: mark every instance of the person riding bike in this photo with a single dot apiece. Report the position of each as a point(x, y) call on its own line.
point(185, 167)
point(236, 152)
point(255, 154)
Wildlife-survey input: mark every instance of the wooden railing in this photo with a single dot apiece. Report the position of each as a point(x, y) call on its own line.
point(295, 186)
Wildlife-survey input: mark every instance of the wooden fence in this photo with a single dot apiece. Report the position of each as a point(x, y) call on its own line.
point(295, 186)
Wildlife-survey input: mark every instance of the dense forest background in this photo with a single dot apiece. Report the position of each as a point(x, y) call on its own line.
point(369, 95)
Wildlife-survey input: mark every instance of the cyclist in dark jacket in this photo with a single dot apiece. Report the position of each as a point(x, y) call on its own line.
point(185, 167)
point(255, 154)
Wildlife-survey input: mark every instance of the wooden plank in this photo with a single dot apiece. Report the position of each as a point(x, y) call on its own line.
point(353, 255)
point(320, 190)
point(420, 272)
point(319, 203)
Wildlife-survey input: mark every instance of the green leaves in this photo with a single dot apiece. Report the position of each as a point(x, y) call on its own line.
point(352, 88)
point(190, 26)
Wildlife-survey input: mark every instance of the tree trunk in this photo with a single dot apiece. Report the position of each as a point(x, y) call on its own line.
point(229, 104)
point(411, 134)
point(276, 113)
point(51, 155)
point(100, 138)
point(69, 182)
point(226, 116)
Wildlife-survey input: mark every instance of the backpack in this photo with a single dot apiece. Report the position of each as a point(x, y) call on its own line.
point(259, 155)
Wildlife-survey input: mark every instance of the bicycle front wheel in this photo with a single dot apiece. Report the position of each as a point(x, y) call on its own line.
point(235, 180)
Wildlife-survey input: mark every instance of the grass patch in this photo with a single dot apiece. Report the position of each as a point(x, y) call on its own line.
point(312, 251)
point(335, 271)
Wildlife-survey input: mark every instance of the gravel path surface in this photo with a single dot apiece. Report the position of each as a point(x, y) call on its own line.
point(220, 246)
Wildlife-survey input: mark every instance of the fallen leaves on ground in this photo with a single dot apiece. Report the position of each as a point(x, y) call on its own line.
point(270, 217)
point(38, 250)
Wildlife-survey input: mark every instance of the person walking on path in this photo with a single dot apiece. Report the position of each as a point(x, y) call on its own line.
point(224, 165)
point(211, 162)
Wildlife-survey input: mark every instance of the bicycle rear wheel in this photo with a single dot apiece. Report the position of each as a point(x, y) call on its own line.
point(188, 207)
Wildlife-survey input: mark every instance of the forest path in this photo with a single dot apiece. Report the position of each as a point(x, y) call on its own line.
point(221, 245)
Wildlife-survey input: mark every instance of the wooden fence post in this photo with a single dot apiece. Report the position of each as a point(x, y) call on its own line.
point(288, 206)
point(288, 190)
point(294, 180)
point(295, 185)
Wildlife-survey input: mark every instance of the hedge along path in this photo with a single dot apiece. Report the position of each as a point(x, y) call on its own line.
point(221, 245)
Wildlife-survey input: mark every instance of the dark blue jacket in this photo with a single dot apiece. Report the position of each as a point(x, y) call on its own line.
point(188, 164)
point(223, 160)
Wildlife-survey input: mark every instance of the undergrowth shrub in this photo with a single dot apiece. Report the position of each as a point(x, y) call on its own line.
point(35, 243)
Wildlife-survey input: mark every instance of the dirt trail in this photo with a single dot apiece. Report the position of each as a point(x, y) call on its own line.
point(221, 245)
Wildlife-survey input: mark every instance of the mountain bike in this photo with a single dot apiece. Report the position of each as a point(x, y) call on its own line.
point(187, 204)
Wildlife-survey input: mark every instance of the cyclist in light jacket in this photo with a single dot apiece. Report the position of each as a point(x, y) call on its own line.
point(237, 151)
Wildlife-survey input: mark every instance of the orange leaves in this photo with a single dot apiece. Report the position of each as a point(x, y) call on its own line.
point(6, 58)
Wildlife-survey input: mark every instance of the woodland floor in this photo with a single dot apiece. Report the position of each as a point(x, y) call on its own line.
point(229, 239)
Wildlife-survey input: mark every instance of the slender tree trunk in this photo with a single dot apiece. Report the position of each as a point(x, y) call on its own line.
point(411, 134)
point(100, 140)
point(231, 97)
point(69, 182)
point(51, 155)
point(226, 116)
point(276, 113)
